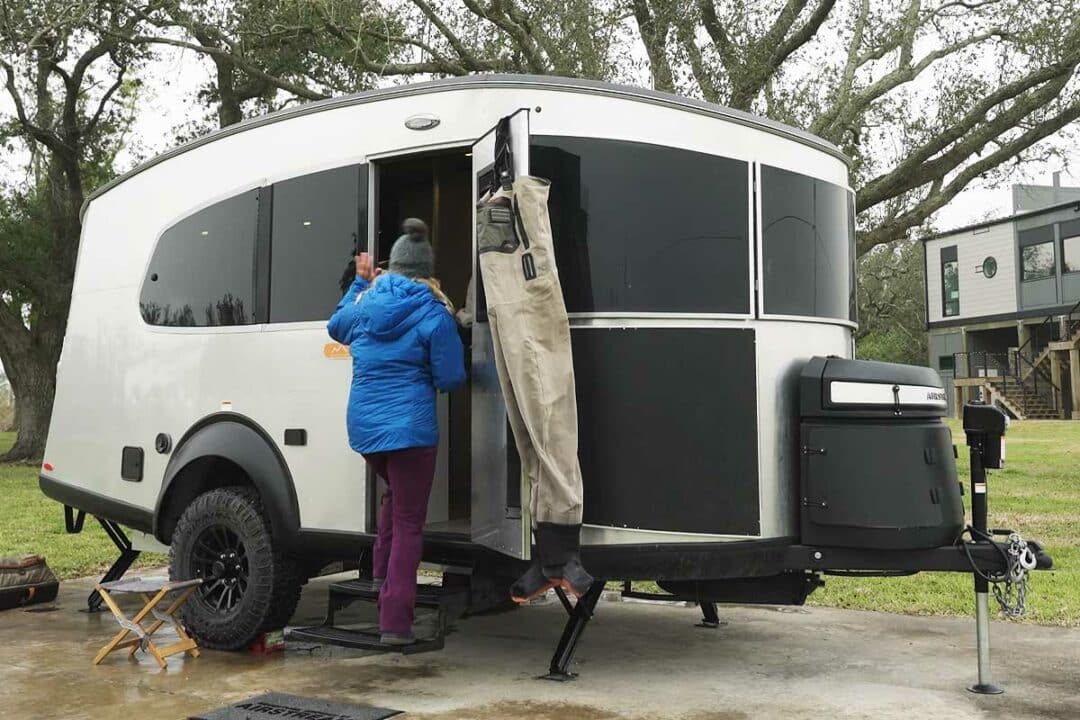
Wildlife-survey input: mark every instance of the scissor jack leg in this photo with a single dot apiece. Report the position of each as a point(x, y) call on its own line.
point(128, 555)
point(580, 614)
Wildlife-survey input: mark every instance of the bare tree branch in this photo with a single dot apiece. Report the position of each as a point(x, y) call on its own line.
point(934, 201)
point(46, 137)
point(654, 32)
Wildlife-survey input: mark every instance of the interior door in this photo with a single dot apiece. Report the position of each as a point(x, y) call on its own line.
point(499, 489)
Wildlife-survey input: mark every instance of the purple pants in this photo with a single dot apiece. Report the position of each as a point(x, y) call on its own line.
point(408, 474)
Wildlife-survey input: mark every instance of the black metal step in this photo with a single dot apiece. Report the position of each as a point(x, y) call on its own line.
point(361, 640)
point(431, 596)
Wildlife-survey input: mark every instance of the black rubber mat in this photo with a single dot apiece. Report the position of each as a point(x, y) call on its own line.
point(280, 705)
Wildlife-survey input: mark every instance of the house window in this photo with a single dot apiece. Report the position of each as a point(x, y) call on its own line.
point(642, 227)
point(317, 223)
point(202, 271)
point(950, 282)
point(1037, 260)
point(947, 363)
point(1070, 246)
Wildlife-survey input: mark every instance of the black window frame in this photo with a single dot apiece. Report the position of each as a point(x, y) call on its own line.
point(949, 256)
point(951, 363)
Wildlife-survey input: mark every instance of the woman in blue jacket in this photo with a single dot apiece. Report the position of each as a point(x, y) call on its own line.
point(404, 343)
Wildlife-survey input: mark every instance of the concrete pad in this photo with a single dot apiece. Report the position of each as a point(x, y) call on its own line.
point(636, 661)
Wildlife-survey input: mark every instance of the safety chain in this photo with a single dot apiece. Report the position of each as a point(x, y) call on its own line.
point(1012, 597)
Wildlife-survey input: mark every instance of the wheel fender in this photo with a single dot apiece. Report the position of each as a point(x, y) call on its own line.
point(242, 441)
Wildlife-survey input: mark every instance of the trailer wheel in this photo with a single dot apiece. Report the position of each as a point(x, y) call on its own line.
point(249, 584)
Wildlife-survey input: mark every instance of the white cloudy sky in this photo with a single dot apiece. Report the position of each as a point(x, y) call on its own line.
point(168, 104)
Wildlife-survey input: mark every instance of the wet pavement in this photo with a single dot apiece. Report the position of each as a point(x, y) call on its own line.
point(636, 661)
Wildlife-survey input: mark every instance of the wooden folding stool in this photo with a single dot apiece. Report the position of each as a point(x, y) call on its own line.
point(153, 592)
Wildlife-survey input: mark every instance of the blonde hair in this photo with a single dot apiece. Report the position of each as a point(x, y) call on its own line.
point(436, 289)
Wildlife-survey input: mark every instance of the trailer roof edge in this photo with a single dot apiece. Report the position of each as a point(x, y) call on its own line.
point(595, 87)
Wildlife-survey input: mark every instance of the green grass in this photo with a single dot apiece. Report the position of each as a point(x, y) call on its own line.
point(1037, 494)
point(32, 523)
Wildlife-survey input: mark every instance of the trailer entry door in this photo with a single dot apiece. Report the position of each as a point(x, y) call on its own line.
point(499, 493)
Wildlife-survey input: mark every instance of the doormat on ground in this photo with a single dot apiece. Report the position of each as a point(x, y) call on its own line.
point(275, 706)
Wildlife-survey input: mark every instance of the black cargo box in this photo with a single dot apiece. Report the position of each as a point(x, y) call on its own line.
point(877, 469)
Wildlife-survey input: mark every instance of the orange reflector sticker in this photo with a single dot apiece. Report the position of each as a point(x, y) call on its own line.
point(336, 350)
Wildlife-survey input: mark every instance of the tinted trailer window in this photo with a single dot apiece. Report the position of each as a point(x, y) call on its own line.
point(645, 228)
point(203, 269)
point(807, 246)
point(316, 228)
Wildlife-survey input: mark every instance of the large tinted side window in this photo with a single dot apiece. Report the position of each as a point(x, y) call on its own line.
point(317, 221)
point(807, 246)
point(645, 228)
point(203, 269)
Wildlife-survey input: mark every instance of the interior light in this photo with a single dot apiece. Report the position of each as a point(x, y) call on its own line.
point(468, 154)
point(306, 223)
point(205, 232)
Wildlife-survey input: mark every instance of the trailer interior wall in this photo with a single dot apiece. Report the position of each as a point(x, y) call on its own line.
point(121, 381)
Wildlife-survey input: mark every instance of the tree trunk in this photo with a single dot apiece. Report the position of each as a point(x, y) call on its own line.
point(33, 381)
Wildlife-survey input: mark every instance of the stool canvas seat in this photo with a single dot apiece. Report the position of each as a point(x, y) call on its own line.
point(153, 590)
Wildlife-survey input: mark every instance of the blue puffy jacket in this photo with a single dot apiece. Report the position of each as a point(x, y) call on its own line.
point(404, 344)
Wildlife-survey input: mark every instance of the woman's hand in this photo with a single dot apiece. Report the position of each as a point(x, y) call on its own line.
point(365, 268)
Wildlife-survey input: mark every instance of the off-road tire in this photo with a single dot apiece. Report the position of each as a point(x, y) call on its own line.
point(273, 584)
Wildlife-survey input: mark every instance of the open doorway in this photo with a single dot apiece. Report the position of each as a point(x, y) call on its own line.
point(436, 187)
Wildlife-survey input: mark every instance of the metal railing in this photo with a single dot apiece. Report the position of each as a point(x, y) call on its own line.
point(1072, 319)
point(1008, 371)
point(1072, 323)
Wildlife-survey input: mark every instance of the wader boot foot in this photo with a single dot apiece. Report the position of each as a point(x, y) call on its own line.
point(559, 548)
point(575, 580)
point(531, 585)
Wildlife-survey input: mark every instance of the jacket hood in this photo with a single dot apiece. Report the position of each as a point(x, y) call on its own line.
point(393, 305)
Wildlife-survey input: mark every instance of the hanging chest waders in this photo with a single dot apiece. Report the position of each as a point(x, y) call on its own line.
point(531, 337)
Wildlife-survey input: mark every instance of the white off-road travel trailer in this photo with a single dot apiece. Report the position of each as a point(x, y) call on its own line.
point(731, 447)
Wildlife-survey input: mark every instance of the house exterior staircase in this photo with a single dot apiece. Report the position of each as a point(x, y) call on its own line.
point(1041, 362)
point(1022, 402)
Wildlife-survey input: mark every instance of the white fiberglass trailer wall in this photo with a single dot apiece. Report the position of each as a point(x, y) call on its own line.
point(246, 334)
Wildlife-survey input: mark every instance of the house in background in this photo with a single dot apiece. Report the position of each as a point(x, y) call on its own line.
point(1003, 306)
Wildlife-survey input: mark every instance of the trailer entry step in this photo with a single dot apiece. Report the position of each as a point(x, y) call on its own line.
point(365, 589)
point(360, 640)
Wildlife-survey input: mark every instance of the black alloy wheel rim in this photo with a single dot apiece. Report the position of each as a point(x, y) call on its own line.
point(220, 561)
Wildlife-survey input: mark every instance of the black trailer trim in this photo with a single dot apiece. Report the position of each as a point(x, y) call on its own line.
point(693, 561)
point(97, 505)
point(951, 558)
point(244, 442)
